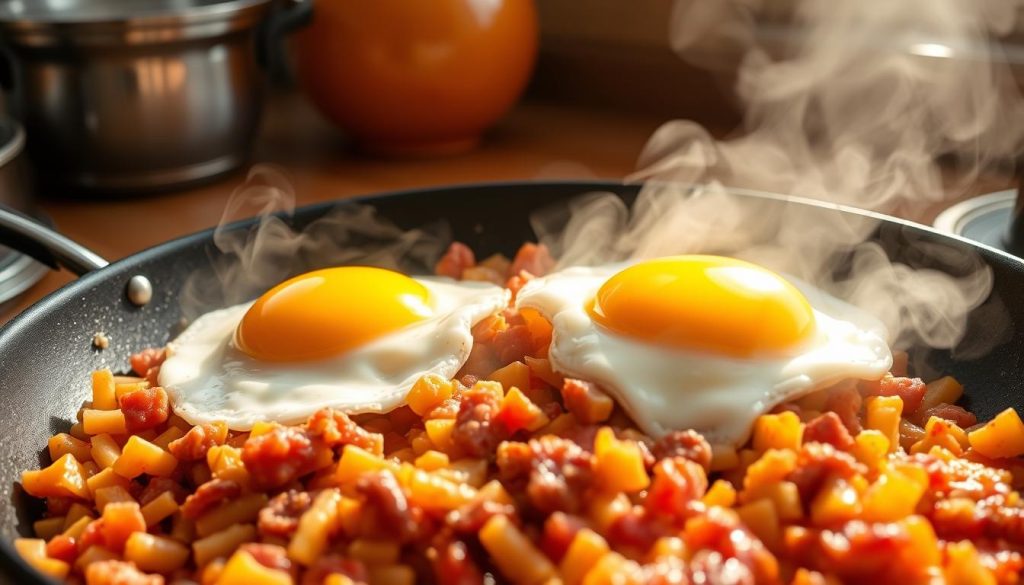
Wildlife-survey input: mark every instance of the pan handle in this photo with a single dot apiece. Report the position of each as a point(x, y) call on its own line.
point(26, 235)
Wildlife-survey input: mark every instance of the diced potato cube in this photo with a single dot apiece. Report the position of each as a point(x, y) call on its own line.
point(104, 479)
point(93, 554)
point(835, 503)
point(721, 493)
point(221, 544)
point(1001, 437)
point(105, 450)
point(243, 569)
point(392, 575)
point(95, 422)
point(122, 388)
point(433, 492)
point(586, 548)
point(945, 390)
point(893, 496)
point(778, 431)
point(871, 447)
point(619, 465)
point(103, 397)
point(155, 554)
point(108, 495)
point(159, 508)
point(120, 520)
point(47, 528)
point(762, 519)
point(431, 460)
point(65, 477)
point(514, 375)
point(440, 433)
point(239, 511)
point(140, 456)
point(518, 412)
point(62, 443)
point(75, 512)
point(315, 526)
point(883, 415)
point(375, 552)
point(171, 434)
point(965, 567)
point(356, 461)
point(78, 527)
point(513, 553)
point(428, 392)
point(33, 550)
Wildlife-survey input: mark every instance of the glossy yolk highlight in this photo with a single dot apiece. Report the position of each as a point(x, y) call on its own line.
point(330, 311)
point(705, 303)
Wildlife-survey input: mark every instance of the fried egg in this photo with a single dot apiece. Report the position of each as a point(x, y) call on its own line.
point(352, 338)
point(702, 342)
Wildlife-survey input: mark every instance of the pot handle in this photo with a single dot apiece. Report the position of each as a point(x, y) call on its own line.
point(26, 235)
point(270, 51)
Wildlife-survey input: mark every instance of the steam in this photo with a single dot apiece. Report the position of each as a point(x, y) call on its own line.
point(857, 111)
point(251, 261)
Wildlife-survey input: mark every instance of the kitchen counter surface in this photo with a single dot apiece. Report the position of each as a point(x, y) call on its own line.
point(536, 141)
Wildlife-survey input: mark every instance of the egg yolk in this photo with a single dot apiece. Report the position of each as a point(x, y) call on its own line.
point(705, 303)
point(330, 311)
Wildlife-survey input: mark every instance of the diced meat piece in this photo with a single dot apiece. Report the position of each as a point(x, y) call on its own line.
point(455, 261)
point(586, 401)
point(518, 281)
point(144, 409)
point(278, 457)
point(719, 531)
point(678, 483)
point(911, 390)
point(118, 573)
point(827, 428)
point(333, 564)
point(637, 529)
point(816, 462)
point(454, 565)
point(335, 428)
point(208, 495)
point(687, 444)
point(532, 258)
point(385, 497)
point(559, 531)
point(147, 363)
point(470, 519)
point(556, 472)
point(159, 485)
point(280, 517)
point(198, 440)
point(951, 412)
point(62, 547)
point(846, 401)
point(477, 432)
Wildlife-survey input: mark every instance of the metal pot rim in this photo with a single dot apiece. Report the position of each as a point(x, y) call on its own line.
point(10, 149)
point(195, 22)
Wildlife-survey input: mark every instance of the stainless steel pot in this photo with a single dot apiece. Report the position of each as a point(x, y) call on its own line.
point(17, 271)
point(129, 95)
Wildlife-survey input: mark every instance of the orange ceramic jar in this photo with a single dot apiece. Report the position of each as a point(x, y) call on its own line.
point(409, 77)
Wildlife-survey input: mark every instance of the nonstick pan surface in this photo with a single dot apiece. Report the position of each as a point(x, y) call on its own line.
point(46, 353)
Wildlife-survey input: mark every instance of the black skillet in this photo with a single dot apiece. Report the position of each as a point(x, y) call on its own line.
point(46, 353)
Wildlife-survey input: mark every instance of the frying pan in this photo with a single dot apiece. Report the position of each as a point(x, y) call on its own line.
point(46, 353)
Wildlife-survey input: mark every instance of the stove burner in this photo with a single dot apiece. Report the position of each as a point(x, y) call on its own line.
point(986, 219)
point(17, 273)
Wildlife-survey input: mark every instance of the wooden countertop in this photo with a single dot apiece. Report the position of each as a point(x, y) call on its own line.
point(536, 141)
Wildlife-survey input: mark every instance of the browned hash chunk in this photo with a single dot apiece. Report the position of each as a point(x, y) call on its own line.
point(270, 556)
point(278, 457)
point(144, 409)
point(454, 565)
point(556, 472)
point(208, 496)
point(687, 444)
point(118, 573)
point(146, 363)
point(335, 428)
point(828, 428)
point(455, 261)
point(477, 432)
point(198, 440)
point(280, 517)
point(586, 401)
point(394, 516)
point(816, 462)
point(719, 532)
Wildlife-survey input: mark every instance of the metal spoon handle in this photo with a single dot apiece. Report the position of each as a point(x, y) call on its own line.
point(26, 235)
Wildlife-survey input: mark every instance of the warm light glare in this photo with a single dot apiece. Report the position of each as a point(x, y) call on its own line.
point(705, 303)
point(330, 311)
point(932, 50)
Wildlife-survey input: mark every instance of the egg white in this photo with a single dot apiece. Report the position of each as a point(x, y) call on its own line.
point(664, 388)
point(209, 379)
